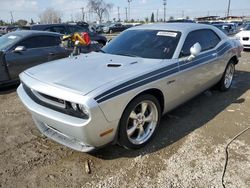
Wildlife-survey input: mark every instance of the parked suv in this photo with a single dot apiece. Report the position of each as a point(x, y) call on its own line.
point(70, 29)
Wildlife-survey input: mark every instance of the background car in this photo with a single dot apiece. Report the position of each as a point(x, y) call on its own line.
point(115, 27)
point(23, 49)
point(244, 37)
point(66, 29)
point(227, 28)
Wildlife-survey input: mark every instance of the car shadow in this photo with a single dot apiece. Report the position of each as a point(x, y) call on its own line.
point(185, 119)
point(8, 89)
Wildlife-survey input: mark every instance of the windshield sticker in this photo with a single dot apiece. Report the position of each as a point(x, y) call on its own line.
point(12, 37)
point(166, 34)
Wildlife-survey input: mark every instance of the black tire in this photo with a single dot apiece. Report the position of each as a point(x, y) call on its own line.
point(222, 85)
point(101, 43)
point(150, 128)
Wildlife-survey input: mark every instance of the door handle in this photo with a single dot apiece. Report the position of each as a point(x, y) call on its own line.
point(51, 53)
point(214, 54)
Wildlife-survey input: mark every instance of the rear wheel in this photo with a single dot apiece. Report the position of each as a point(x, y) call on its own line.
point(227, 78)
point(101, 43)
point(139, 122)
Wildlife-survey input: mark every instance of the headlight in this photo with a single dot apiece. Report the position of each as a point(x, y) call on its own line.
point(74, 106)
point(80, 109)
point(83, 109)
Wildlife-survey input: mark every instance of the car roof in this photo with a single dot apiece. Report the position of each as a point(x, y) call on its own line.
point(26, 33)
point(182, 27)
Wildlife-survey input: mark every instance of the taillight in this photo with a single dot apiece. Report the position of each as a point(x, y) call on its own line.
point(86, 38)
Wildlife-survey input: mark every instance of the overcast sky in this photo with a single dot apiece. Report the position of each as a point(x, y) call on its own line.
point(27, 9)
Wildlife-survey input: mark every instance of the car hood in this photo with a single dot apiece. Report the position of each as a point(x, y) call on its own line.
point(87, 72)
point(244, 33)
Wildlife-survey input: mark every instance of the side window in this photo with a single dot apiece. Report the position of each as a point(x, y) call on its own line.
point(206, 37)
point(40, 42)
point(77, 29)
point(57, 29)
point(29, 43)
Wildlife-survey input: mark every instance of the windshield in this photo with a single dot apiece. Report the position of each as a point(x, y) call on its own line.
point(248, 27)
point(8, 40)
point(153, 44)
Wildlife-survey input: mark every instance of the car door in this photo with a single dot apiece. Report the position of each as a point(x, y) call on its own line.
point(200, 73)
point(36, 52)
point(3, 69)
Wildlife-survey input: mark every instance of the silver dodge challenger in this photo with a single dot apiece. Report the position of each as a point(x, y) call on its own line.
point(118, 95)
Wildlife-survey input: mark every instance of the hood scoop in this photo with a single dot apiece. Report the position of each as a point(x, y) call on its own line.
point(114, 65)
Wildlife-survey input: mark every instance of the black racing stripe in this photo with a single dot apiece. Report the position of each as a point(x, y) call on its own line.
point(158, 74)
point(144, 82)
point(197, 62)
point(199, 57)
point(223, 46)
point(224, 50)
point(137, 79)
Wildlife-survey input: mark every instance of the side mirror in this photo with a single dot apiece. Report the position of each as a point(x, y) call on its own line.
point(19, 49)
point(195, 50)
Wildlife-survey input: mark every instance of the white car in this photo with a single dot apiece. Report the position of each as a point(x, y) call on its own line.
point(244, 37)
point(120, 94)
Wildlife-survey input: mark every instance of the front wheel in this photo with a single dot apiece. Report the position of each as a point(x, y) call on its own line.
point(139, 122)
point(227, 78)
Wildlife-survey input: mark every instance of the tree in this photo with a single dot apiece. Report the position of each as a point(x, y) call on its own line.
point(100, 8)
point(21, 22)
point(50, 16)
point(187, 17)
point(32, 22)
point(146, 19)
point(152, 17)
point(171, 18)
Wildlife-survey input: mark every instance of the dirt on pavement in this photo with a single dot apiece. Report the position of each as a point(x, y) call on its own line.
point(188, 150)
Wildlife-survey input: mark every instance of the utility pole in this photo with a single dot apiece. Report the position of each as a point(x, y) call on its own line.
point(228, 8)
point(157, 15)
point(12, 19)
point(164, 5)
point(182, 14)
point(126, 9)
point(83, 15)
point(129, 1)
point(119, 19)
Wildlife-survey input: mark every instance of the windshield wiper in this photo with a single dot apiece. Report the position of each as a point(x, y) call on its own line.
point(123, 54)
point(102, 51)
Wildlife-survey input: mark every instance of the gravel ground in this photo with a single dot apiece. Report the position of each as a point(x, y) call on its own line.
point(188, 150)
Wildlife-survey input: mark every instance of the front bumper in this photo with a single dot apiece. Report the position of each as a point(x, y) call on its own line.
point(76, 133)
point(245, 44)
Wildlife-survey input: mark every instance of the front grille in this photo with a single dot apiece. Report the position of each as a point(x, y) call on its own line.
point(49, 99)
point(246, 45)
point(53, 103)
point(245, 38)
